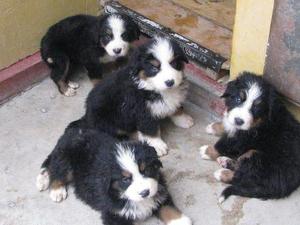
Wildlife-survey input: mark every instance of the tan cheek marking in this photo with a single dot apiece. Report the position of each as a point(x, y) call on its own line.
point(142, 167)
point(212, 152)
point(256, 122)
point(115, 185)
point(142, 75)
point(168, 213)
point(95, 81)
point(218, 128)
point(227, 176)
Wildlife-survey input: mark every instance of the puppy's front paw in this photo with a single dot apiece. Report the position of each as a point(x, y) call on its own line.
point(73, 85)
point(203, 152)
point(160, 146)
point(183, 120)
point(224, 175)
point(43, 180)
point(58, 194)
point(224, 161)
point(215, 129)
point(183, 220)
point(70, 92)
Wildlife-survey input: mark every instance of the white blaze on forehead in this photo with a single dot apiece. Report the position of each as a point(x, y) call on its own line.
point(126, 159)
point(252, 93)
point(116, 24)
point(162, 50)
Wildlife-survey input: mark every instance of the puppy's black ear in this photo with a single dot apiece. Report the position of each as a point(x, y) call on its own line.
point(228, 89)
point(184, 58)
point(133, 28)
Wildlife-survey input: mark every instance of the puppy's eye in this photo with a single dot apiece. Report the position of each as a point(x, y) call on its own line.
point(106, 38)
point(126, 180)
point(177, 64)
point(125, 36)
point(238, 100)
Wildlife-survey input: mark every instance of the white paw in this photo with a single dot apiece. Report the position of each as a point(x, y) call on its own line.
point(43, 180)
point(160, 146)
point(209, 129)
point(183, 121)
point(221, 199)
point(183, 220)
point(203, 153)
point(223, 161)
point(218, 173)
point(73, 85)
point(70, 92)
point(59, 194)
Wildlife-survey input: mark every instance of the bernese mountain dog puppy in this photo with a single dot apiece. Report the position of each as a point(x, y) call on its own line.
point(88, 41)
point(120, 179)
point(259, 148)
point(134, 99)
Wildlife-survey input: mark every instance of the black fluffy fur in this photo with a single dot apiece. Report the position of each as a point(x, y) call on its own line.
point(118, 103)
point(274, 170)
point(80, 40)
point(90, 156)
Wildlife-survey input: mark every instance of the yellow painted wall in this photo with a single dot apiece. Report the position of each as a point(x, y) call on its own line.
point(250, 36)
point(23, 23)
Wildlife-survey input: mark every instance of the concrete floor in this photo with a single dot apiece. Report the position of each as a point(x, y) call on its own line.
point(30, 126)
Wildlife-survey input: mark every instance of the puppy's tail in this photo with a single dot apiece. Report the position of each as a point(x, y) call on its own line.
point(245, 191)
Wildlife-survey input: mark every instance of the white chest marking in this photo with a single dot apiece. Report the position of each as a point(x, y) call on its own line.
point(139, 210)
point(171, 100)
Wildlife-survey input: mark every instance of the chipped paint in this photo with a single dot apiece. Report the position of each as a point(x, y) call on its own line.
point(203, 56)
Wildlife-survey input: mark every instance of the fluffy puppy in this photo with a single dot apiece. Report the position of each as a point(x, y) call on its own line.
point(259, 148)
point(88, 41)
point(122, 180)
point(150, 88)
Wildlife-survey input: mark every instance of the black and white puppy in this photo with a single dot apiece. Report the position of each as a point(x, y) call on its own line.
point(122, 180)
point(88, 41)
point(134, 99)
point(259, 148)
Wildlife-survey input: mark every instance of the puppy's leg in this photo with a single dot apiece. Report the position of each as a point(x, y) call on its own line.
point(170, 215)
point(227, 163)
point(58, 191)
point(181, 119)
point(216, 128)
point(43, 178)
point(232, 164)
point(90, 59)
point(155, 141)
point(209, 152)
point(224, 175)
point(59, 75)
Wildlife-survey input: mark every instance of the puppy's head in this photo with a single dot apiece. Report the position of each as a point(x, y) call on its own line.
point(116, 33)
point(136, 176)
point(247, 101)
point(161, 64)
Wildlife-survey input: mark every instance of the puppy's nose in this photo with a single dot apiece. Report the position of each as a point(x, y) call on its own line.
point(145, 193)
point(169, 83)
point(117, 50)
point(238, 121)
